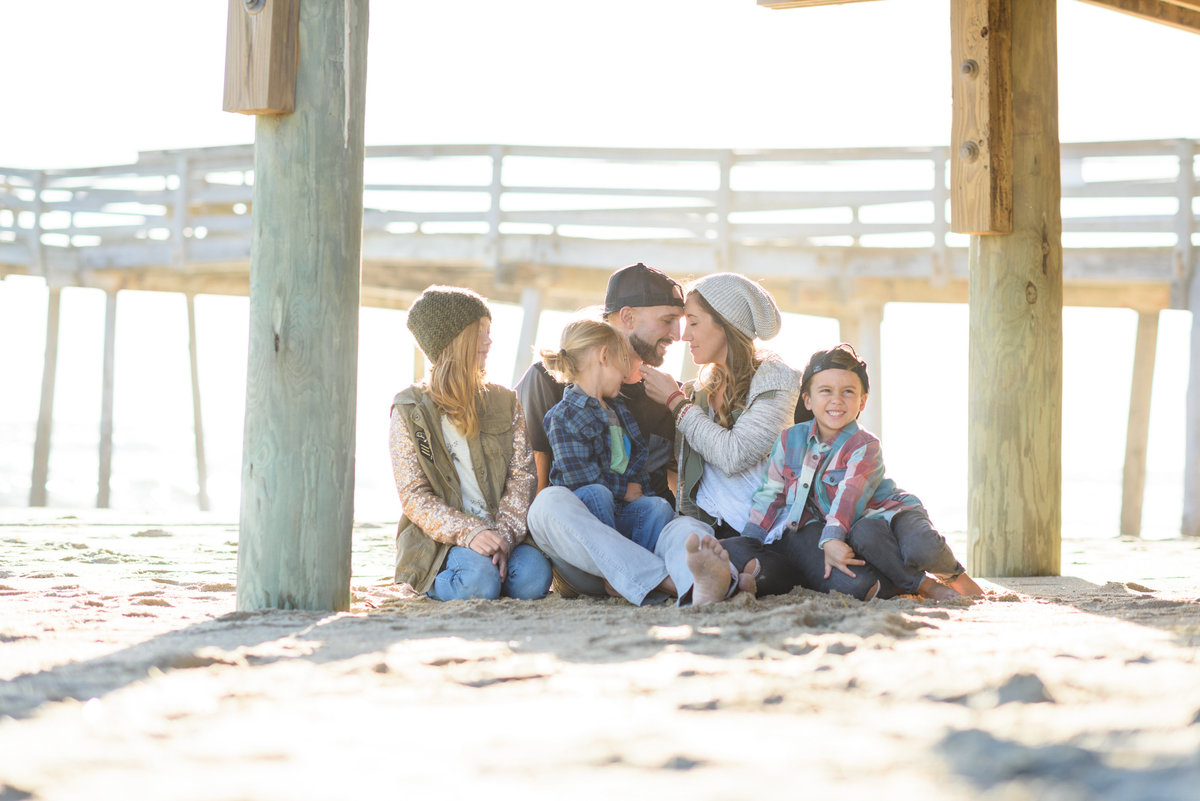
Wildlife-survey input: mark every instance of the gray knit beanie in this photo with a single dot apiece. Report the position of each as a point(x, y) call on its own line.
point(440, 314)
point(743, 303)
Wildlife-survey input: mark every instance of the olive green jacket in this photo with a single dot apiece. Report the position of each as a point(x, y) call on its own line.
point(419, 557)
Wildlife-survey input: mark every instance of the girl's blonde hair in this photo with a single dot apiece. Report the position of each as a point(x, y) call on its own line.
point(456, 380)
point(578, 338)
point(730, 381)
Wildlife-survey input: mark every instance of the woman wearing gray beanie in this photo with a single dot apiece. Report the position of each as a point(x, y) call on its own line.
point(463, 468)
point(727, 421)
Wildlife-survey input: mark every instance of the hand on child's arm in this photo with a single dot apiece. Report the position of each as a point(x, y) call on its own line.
point(633, 491)
point(840, 555)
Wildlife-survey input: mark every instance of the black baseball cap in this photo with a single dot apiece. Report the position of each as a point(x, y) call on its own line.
point(639, 285)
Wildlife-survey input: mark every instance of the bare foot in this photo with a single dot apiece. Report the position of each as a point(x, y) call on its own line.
point(966, 585)
point(932, 588)
point(710, 569)
point(747, 580)
point(612, 593)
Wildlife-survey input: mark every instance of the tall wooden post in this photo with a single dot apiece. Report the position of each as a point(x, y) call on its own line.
point(863, 330)
point(104, 481)
point(531, 313)
point(1185, 255)
point(45, 423)
point(1014, 511)
point(1137, 432)
point(298, 459)
point(197, 416)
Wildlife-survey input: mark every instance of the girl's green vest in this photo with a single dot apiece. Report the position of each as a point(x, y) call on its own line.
point(419, 558)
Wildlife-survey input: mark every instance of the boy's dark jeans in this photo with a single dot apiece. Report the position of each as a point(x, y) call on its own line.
point(898, 555)
point(795, 560)
point(904, 551)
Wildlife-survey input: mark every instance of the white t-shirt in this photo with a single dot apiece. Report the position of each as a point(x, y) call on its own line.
point(460, 455)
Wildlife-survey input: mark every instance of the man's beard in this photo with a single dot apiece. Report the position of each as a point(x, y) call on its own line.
point(648, 352)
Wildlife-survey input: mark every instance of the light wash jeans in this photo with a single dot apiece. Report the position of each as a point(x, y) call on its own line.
point(641, 521)
point(587, 553)
point(468, 574)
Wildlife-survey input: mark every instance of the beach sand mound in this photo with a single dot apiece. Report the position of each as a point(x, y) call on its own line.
point(126, 671)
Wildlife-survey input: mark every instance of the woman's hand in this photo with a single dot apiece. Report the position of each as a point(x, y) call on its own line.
point(838, 554)
point(659, 385)
point(488, 542)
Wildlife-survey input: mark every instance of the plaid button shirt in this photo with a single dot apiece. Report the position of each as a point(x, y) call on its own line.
point(577, 428)
point(839, 482)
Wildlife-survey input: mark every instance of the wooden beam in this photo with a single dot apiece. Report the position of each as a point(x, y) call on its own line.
point(104, 480)
point(261, 56)
point(1014, 443)
point(862, 327)
point(981, 126)
point(45, 422)
point(1177, 14)
point(777, 4)
point(1137, 432)
point(297, 506)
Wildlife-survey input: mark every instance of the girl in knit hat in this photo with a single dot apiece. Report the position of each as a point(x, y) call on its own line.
point(463, 468)
point(727, 421)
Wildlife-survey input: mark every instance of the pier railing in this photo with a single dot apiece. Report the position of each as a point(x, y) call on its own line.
point(1129, 209)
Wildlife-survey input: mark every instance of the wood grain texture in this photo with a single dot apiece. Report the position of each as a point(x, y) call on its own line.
point(1014, 509)
point(1137, 432)
point(298, 453)
point(261, 56)
point(1182, 14)
point(981, 124)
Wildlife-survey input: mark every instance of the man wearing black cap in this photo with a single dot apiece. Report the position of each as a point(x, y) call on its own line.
point(645, 304)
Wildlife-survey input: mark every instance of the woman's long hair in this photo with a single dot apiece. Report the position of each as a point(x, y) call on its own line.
point(456, 381)
point(578, 337)
point(730, 381)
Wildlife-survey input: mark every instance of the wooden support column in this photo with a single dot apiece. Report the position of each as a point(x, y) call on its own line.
point(197, 416)
point(297, 508)
point(1186, 266)
point(41, 445)
point(863, 330)
point(1137, 433)
point(104, 481)
point(1014, 472)
point(531, 313)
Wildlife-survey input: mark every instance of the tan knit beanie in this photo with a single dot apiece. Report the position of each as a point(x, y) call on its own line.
point(743, 303)
point(440, 314)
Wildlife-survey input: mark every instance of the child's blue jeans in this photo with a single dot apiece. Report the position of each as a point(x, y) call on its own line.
point(468, 574)
point(641, 521)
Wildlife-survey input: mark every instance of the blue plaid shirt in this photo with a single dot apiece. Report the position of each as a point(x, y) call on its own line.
point(577, 428)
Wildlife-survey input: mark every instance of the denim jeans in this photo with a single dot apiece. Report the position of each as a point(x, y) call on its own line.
point(468, 574)
point(795, 559)
point(586, 553)
point(641, 520)
point(904, 550)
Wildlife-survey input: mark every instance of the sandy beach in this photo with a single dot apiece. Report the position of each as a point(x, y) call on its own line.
point(126, 672)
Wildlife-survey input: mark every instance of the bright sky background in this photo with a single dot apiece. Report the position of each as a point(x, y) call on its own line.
point(94, 82)
point(91, 83)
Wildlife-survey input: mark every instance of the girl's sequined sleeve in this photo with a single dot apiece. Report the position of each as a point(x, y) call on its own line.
point(520, 484)
point(437, 519)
